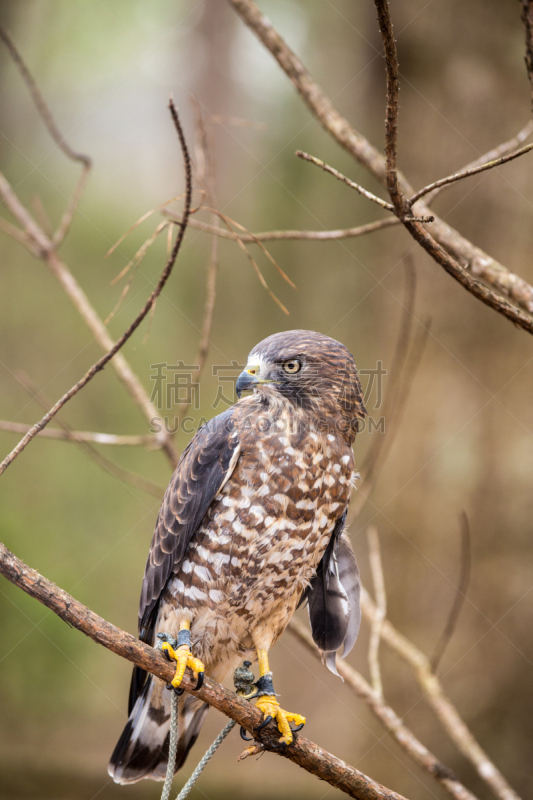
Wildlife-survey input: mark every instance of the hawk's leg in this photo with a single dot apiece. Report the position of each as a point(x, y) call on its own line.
point(268, 704)
point(183, 656)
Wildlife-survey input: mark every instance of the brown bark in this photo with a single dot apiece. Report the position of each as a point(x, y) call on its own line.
point(306, 754)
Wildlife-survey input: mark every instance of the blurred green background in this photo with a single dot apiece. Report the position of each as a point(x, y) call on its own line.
point(465, 442)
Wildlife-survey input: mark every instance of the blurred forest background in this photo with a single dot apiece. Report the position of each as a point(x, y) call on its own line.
point(106, 68)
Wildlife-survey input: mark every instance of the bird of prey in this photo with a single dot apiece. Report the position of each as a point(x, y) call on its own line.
point(251, 526)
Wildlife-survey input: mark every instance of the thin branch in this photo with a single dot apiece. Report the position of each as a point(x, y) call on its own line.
point(40, 104)
point(444, 238)
point(55, 133)
point(68, 214)
point(399, 374)
point(465, 173)
point(19, 235)
point(303, 752)
point(100, 364)
point(527, 19)
point(392, 108)
point(441, 705)
point(332, 171)
point(104, 463)
point(388, 718)
point(271, 236)
point(42, 247)
point(460, 594)
point(149, 440)
point(205, 155)
point(398, 193)
point(378, 580)
point(496, 152)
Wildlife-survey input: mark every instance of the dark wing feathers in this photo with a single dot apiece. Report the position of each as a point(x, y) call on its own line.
point(333, 597)
point(196, 481)
point(199, 476)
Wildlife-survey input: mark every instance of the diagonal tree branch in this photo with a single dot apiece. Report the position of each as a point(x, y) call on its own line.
point(101, 363)
point(389, 719)
point(306, 754)
point(446, 241)
point(441, 705)
point(466, 173)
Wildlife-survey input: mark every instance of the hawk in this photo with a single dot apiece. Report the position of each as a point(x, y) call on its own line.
point(251, 526)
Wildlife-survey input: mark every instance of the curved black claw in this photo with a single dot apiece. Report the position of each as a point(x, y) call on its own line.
point(265, 722)
point(199, 682)
point(298, 728)
point(244, 736)
point(177, 689)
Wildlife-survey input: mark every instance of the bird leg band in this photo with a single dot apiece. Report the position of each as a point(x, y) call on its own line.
point(265, 685)
point(183, 657)
point(269, 705)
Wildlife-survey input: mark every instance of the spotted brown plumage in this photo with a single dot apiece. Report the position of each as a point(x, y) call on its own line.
point(251, 525)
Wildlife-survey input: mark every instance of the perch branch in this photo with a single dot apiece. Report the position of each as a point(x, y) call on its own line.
point(82, 436)
point(441, 705)
point(303, 752)
point(388, 718)
point(100, 364)
point(447, 240)
point(271, 236)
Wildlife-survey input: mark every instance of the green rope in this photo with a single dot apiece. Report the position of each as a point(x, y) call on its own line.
point(243, 680)
point(172, 746)
point(209, 754)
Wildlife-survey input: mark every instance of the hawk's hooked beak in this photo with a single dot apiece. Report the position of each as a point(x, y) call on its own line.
point(249, 379)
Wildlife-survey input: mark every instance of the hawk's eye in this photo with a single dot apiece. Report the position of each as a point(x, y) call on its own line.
point(292, 366)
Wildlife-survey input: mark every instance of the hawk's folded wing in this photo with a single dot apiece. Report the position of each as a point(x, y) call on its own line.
point(204, 467)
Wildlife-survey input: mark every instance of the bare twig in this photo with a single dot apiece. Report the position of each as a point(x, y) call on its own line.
point(42, 247)
point(444, 238)
point(271, 236)
point(460, 594)
point(100, 364)
point(332, 171)
point(441, 705)
point(306, 754)
point(527, 19)
point(55, 133)
point(465, 173)
point(389, 719)
point(83, 436)
point(40, 104)
point(104, 463)
point(397, 375)
point(205, 156)
point(378, 580)
point(496, 152)
point(398, 192)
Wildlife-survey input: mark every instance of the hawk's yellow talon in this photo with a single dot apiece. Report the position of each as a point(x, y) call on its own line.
point(184, 659)
point(270, 708)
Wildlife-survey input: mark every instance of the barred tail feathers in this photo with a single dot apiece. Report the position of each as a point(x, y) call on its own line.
point(142, 750)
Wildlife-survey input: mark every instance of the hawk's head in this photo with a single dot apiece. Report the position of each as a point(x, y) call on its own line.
point(310, 369)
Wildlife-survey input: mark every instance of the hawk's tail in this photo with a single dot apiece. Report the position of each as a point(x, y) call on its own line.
point(142, 750)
